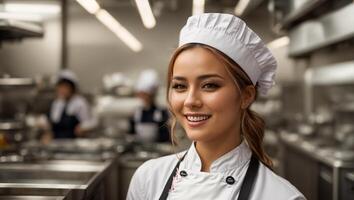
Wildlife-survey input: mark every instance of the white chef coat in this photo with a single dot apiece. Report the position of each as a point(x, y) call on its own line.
point(150, 178)
point(77, 106)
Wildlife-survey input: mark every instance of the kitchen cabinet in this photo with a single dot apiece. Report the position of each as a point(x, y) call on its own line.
point(301, 171)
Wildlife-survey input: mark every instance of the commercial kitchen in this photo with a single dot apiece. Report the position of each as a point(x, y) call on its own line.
point(106, 44)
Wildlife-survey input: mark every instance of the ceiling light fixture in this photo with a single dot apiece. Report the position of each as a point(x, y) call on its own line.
point(146, 14)
point(22, 17)
point(90, 6)
point(241, 7)
point(32, 8)
point(112, 24)
point(198, 7)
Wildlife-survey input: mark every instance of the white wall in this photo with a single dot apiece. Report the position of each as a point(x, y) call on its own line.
point(33, 56)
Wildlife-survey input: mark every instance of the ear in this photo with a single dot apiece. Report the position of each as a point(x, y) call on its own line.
point(248, 96)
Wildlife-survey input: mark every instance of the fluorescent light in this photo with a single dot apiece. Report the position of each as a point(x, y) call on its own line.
point(277, 43)
point(32, 8)
point(90, 5)
point(112, 24)
point(146, 14)
point(22, 17)
point(198, 7)
point(241, 7)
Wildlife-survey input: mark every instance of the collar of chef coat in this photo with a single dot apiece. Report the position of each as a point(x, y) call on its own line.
point(236, 158)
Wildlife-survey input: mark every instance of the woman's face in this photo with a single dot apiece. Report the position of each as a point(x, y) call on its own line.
point(64, 90)
point(204, 97)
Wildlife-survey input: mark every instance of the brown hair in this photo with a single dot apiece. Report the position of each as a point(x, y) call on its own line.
point(252, 125)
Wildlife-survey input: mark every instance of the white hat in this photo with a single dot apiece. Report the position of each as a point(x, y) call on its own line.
point(68, 75)
point(230, 35)
point(147, 82)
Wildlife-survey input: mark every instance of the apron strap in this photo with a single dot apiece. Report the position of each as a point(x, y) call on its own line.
point(245, 188)
point(249, 180)
point(168, 185)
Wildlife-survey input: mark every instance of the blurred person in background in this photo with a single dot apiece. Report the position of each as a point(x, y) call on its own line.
point(70, 114)
point(149, 123)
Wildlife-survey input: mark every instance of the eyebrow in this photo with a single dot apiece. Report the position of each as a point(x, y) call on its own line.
point(202, 77)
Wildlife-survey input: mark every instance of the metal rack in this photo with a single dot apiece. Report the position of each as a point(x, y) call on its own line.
point(336, 74)
point(327, 30)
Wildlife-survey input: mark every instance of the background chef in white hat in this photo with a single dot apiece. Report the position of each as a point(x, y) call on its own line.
point(213, 78)
point(149, 123)
point(70, 114)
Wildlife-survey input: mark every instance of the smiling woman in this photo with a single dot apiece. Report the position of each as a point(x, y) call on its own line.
point(213, 78)
point(205, 101)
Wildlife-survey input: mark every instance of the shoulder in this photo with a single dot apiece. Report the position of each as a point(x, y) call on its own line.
point(271, 186)
point(78, 101)
point(158, 165)
point(150, 178)
point(57, 101)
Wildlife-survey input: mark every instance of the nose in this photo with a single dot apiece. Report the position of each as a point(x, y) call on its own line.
point(193, 99)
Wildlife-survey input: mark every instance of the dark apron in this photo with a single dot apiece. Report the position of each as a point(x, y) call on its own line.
point(66, 126)
point(246, 186)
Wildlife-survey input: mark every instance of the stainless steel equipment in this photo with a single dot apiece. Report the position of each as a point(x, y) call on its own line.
point(72, 179)
point(329, 29)
point(14, 99)
point(318, 169)
point(14, 29)
point(12, 134)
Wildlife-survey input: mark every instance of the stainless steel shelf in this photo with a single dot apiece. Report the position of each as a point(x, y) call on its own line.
point(323, 154)
point(14, 29)
point(302, 11)
point(16, 82)
point(329, 29)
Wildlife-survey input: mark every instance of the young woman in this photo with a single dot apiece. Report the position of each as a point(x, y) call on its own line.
point(213, 78)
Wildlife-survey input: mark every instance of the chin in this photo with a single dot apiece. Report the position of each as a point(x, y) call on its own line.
point(198, 135)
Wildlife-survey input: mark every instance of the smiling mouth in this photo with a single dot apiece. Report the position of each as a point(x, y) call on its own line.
point(197, 118)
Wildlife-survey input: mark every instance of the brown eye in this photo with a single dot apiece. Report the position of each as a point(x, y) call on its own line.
point(210, 86)
point(178, 87)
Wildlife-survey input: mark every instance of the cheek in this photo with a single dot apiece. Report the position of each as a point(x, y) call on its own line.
point(176, 101)
point(224, 101)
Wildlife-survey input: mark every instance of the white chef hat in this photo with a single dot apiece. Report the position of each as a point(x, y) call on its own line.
point(68, 75)
point(147, 82)
point(230, 35)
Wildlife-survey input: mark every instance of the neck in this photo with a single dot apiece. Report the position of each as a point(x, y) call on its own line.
point(68, 97)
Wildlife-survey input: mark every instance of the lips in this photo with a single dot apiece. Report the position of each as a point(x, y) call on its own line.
point(196, 120)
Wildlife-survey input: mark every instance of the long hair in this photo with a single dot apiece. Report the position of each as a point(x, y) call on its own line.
point(252, 125)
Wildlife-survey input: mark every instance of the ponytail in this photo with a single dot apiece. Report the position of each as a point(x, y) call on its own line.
point(252, 128)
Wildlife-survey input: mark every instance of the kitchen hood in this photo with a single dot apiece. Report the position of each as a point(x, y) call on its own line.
point(11, 29)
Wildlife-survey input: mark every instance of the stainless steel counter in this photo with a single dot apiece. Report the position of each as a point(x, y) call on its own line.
point(319, 150)
point(318, 168)
point(55, 178)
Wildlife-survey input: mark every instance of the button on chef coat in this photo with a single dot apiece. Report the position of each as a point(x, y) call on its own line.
point(150, 178)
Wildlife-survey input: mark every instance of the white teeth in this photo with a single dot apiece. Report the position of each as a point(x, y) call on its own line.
point(197, 118)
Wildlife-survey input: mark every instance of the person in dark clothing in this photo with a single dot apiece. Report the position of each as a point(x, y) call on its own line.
point(69, 115)
point(149, 123)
